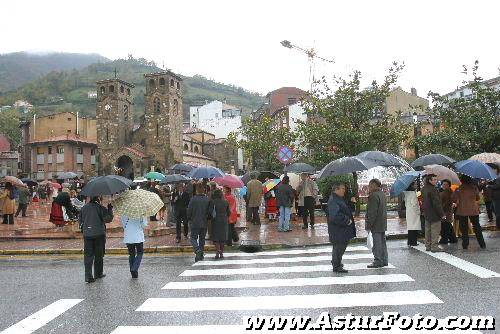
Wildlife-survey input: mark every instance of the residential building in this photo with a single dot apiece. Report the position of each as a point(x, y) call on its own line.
point(194, 144)
point(56, 143)
point(466, 92)
point(216, 117)
point(227, 156)
point(9, 160)
point(279, 98)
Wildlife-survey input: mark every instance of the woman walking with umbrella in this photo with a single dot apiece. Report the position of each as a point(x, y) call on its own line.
point(9, 204)
point(232, 235)
point(133, 237)
point(220, 218)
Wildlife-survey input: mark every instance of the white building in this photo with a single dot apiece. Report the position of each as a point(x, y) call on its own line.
point(466, 92)
point(216, 117)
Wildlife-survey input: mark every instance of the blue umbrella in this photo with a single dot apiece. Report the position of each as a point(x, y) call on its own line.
point(205, 173)
point(475, 169)
point(403, 182)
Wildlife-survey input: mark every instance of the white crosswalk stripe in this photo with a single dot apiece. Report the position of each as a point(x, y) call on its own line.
point(295, 251)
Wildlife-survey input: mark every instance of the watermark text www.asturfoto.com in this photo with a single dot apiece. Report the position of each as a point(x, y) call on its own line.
point(386, 321)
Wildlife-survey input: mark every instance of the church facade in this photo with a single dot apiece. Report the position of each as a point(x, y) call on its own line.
point(156, 143)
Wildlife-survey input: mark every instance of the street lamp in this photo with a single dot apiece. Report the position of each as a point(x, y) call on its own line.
point(415, 132)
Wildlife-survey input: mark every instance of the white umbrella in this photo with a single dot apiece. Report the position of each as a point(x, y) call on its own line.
point(442, 173)
point(294, 179)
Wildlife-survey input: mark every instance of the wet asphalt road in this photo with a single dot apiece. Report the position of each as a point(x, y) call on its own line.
point(30, 284)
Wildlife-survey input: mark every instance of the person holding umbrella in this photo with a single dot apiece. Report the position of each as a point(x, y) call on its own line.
point(255, 192)
point(308, 193)
point(447, 232)
point(133, 237)
point(232, 235)
point(93, 218)
point(23, 201)
point(494, 187)
point(220, 212)
point(285, 196)
point(9, 204)
point(433, 213)
point(198, 214)
point(466, 200)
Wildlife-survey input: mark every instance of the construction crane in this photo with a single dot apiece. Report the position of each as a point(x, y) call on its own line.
point(311, 55)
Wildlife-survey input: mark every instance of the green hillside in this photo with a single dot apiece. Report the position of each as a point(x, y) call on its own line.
point(19, 68)
point(67, 90)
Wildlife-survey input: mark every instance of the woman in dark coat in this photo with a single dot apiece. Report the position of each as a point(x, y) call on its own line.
point(220, 207)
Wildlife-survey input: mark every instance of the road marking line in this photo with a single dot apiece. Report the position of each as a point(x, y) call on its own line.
point(317, 301)
point(276, 270)
point(295, 251)
point(305, 281)
point(42, 317)
point(282, 260)
point(467, 266)
point(240, 329)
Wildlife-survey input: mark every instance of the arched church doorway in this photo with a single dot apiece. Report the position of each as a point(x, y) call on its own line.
point(125, 167)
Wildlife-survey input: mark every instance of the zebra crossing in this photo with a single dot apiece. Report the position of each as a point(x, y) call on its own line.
point(303, 268)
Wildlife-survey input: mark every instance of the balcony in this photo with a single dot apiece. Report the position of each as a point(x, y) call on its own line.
point(49, 158)
point(60, 158)
point(92, 159)
point(40, 159)
point(79, 158)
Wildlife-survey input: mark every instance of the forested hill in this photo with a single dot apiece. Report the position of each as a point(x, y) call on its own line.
point(19, 68)
point(68, 90)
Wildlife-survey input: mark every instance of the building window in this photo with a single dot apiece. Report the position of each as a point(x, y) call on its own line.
point(128, 91)
point(92, 151)
point(40, 168)
point(292, 100)
point(125, 112)
point(151, 84)
point(103, 90)
point(50, 149)
point(79, 167)
point(162, 81)
point(196, 149)
point(39, 150)
point(60, 167)
point(79, 150)
point(69, 131)
point(122, 89)
point(178, 85)
point(172, 83)
point(157, 105)
point(60, 149)
point(186, 147)
point(111, 89)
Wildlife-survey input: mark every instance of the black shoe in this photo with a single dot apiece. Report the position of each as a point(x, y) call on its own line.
point(304, 227)
point(202, 255)
point(312, 227)
point(135, 274)
point(340, 270)
point(229, 244)
point(90, 280)
point(100, 276)
point(443, 242)
point(197, 257)
point(374, 265)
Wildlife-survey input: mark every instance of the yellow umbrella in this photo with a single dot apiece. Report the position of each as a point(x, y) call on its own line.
point(137, 203)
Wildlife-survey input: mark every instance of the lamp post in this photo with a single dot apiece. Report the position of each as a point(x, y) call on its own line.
point(415, 132)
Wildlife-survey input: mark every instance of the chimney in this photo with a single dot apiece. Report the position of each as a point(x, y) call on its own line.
point(413, 91)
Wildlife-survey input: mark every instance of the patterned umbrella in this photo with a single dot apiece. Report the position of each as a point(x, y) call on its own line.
point(137, 203)
point(487, 158)
point(155, 176)
point(230, 181)
point(271, 184)
point(442, 173)
point(14, 181)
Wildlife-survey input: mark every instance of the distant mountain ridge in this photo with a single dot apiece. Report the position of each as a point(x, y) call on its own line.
point(19, 68)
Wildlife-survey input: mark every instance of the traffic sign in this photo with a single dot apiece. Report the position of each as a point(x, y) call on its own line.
point(285, 154)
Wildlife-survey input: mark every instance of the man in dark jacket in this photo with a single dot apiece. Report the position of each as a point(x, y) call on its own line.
point(198, 214)
point(433, 213)
point(341, 228)
point(495, 195)
point(181, 200)
point(376, 223)
point(152, 188)
point(285, 197)
point(93, 218)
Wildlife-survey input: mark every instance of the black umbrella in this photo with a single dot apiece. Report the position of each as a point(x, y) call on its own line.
point(30, 182)
point(380, 158)
point(174, 178)
point(106, 185)
point(261, 176)
point(346, 165)
point(181, 168)
point(432, 159)
point(299, 168)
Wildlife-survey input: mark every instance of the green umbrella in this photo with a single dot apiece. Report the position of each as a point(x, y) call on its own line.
point(137, 203)
point(155, 176)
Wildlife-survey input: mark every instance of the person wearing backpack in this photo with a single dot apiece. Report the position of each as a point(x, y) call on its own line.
point(93, 218)
point(9, 204)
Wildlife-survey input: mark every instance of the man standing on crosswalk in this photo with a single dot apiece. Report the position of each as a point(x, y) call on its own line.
point(341, 228)
point(376, 223)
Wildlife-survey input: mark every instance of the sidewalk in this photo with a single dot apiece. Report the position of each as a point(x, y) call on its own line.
point(34, 234)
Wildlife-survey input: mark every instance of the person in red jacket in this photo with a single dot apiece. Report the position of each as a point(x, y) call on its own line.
point(233, 217)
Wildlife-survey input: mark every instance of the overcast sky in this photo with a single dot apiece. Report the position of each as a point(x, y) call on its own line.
point(238, 41)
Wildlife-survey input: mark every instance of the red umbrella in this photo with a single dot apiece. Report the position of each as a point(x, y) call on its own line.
point(55, 185)
point(230, 181)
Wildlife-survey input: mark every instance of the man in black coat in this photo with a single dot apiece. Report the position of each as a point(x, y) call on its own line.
point(152, 188)
point(181, 200)
point(495, 194)
point(341, 228)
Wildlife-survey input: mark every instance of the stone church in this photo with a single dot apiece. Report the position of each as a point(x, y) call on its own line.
point(133, 150)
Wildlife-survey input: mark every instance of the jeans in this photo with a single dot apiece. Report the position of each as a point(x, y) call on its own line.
point(464, 229)
point(285, 214)
point(309, 203)
point(198, 239)
point(432, 232)
point(23, 208)
point(379, 249)
point(254, 215)
point(338, 251)
point(135, 253)
point(181, 218)
point(93, 250)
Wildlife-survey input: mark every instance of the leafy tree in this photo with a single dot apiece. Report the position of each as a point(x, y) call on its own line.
point(261, 141)
point(9, 127)
point(466, 125)
point(349, 120)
